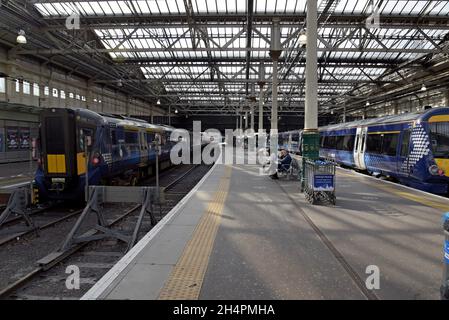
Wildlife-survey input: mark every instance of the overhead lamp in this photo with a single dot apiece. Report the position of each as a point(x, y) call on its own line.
point(367, 103)
point(158, 101)
point(332, 111)
point(120, 83)
point(302, 37)
point(176, 110)
point(423, 87)
point(21, 37)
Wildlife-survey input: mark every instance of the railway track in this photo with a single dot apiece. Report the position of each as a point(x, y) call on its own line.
point(47, 279)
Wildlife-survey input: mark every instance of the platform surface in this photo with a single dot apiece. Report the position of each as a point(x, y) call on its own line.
point(242, 235)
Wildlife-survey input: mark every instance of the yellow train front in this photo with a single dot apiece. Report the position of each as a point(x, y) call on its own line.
point(110, 148)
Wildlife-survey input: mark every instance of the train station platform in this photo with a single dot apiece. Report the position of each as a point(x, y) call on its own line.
point(242, 235)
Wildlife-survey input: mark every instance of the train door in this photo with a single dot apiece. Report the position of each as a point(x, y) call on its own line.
point(359, 148)
point(143, 147)
point(404, 145)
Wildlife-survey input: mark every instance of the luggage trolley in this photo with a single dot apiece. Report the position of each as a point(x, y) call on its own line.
point(319, 181)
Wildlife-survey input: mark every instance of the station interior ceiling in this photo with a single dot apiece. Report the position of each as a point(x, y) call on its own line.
point(203, 58)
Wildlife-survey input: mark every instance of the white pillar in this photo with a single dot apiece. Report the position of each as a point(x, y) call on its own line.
point(274, 102)
point(241, 122)
point(261, 108)
point(311, 107)
point(236, 122)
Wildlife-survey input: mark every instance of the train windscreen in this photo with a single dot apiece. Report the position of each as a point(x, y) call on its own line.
point(439, 139)
point(54, 135)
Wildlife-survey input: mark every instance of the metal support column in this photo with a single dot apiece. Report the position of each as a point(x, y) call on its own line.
point(246, 120)
point(275, 52)
point(445, 281)
point(261, 84)
point(310, 145)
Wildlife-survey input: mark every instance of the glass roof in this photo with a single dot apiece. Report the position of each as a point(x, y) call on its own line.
point(209, 55)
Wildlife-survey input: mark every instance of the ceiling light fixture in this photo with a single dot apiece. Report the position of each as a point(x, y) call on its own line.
point(423, 87)
point(21, 37)
point(302, 37)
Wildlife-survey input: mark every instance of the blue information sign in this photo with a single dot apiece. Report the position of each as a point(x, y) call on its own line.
point(323, 182)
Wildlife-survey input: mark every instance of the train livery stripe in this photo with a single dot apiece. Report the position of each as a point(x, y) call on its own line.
point(56, 163)
point(384, 132)
point(80, 163)
point(440, 118)
point(186, 279)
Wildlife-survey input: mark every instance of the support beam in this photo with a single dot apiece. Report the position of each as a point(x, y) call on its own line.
point(311, 107)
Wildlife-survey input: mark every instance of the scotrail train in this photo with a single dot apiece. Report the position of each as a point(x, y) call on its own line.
point(119, 149)
point(412, 148)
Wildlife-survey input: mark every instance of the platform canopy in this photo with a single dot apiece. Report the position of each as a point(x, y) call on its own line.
point(202, 56)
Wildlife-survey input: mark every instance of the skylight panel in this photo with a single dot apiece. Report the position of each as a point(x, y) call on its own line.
point(280, 6)
point(109, 10)
point(51, 9)
point(153, 6)
point(241, 6)
point(163, 8)
point(291, 6)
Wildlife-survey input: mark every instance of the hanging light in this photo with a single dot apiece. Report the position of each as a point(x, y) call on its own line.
point(332, 111)
point(120, 83)
point(302, 37)
point(367, 103)
point(176, 110)
point(21, 37)
point(158, 101)
point(423, 87)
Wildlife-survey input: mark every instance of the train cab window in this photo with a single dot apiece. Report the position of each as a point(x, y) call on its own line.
point(405, 143)
point(85, 138)
point(54, 135)
point(390, 144)
point(113, 137)
point(439, 139)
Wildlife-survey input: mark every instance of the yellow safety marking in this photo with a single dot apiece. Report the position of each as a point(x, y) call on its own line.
point(56, 163)
point(440, 118)
point(186, 279)
point(443, 164)
point(440, 205)
point(384, 132)
point(81, 163)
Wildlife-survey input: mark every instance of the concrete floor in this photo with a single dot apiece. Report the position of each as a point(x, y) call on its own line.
point(265, 247)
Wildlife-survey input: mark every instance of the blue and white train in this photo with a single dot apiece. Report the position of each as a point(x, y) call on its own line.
point(119, 149)
point(412, 148)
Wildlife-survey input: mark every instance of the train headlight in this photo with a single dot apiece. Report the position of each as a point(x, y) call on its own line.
point(433, 169)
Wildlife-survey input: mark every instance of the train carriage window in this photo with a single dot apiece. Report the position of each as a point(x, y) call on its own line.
point(348, 142)
point(339, 142)
point(131, 137)
point(405, 143)
point(439, 139)
point(374, 143)
point(390, 143)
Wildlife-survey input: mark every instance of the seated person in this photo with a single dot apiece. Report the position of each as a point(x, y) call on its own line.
point(285, 161)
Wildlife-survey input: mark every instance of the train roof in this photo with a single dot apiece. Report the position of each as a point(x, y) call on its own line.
point(406, 117)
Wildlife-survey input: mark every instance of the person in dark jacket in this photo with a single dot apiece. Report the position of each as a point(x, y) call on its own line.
point(284, 163)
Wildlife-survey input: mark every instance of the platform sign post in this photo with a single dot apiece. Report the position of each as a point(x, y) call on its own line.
point(445, 281)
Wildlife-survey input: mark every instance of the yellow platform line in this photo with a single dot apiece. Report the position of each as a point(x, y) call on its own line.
point(186, 279)
point(440, 205)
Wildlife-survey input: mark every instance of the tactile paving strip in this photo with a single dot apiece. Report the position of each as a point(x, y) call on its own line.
point(186, 279)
